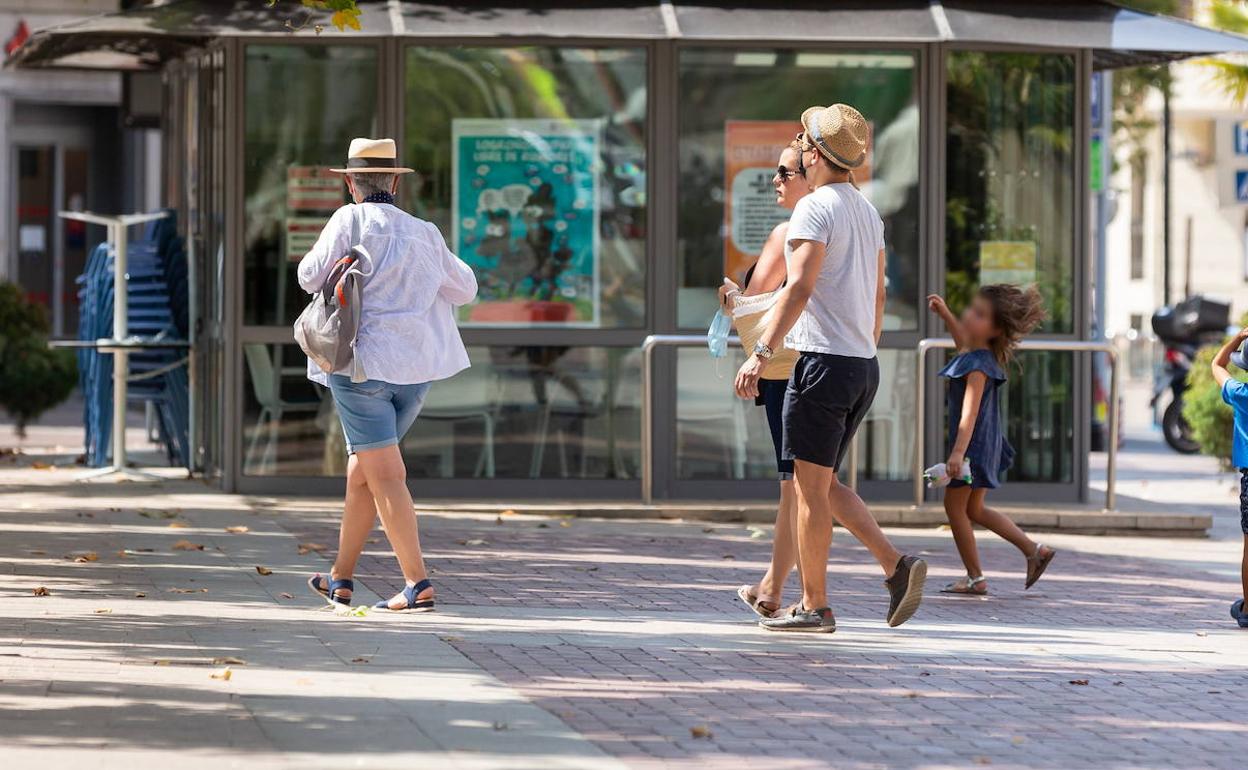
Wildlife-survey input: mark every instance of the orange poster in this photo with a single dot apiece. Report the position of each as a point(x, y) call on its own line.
point(751, 153)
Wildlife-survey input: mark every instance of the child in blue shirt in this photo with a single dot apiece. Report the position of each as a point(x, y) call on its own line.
point(1235, 393)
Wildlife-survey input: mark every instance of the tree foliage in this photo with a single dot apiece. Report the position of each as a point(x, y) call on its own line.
point(34, 378)
point(343, 13)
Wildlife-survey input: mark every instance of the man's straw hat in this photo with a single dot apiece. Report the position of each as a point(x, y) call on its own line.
point(839, 132)
point(372, 156)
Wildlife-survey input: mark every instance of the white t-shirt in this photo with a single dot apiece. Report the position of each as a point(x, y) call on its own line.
point(840, 316)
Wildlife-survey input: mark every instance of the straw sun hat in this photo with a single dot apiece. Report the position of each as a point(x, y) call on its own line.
point(839, 132)
point(372, 156)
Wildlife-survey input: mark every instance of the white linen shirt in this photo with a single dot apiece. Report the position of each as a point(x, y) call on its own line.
point(407, 333)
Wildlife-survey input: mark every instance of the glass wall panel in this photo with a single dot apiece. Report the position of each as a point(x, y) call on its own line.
point(738, 110)
point(719, 436)
point(303, 106)
point(532, 161)
point(1010, 219)
point(519, 412)
point(1010, 183)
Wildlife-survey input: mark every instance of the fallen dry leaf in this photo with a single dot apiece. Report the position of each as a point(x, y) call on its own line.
point(39, 465)
point(103, 611)
point(285, 595)
point(501, 726)
point(473, 541)
point(263, 570)
point(37, 553)
point(1202, 633)
point(1080, 682)
point(140, 595)
point(42, 591)
point(708, 530)
point(305, 548)
point(701, 731)
point(161, 662)
point(187, 545)
point(565, 523)
point(360, 660)
point(187, 591)
point(224, 674)
point(982, 760)
point(373, 540)
point(1018, 740)
point(122, 554)
point(178, 525)
point(508, 512)
point(237, 530)
point(729, 556)
point(228, 661)
point(157, 514)
point(83, 558)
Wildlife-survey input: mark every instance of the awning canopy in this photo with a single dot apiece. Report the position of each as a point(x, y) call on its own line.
point(146, 38)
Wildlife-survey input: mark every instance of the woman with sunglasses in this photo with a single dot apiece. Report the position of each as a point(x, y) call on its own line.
point(749, 305)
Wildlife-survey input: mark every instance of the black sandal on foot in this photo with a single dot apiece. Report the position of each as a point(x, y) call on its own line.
point(331, 588)
point(413, 604)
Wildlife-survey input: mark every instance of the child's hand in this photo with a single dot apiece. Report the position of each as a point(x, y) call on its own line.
point(953, 466)
point(1242, 334)
point(936, 304)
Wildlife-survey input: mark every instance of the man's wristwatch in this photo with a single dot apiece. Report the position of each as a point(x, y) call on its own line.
point(763, 351)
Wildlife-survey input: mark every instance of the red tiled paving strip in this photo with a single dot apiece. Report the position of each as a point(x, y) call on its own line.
point(848, 707)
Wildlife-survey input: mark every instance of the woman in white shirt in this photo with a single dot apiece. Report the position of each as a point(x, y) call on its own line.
point(406, 339)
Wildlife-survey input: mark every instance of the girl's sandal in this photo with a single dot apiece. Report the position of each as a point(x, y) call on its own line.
point(328, 589)
point(413, 604)
point(1037, 563)
point(968, 586)
point(746, 594)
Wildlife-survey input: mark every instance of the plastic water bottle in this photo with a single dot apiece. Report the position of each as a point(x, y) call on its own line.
point(937, 476)
point(717, 335)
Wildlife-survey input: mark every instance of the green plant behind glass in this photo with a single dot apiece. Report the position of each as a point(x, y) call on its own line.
point(1010, 168)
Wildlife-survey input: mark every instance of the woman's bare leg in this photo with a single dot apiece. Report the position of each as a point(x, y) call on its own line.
point(387, 480)
point(999, 523)
point(783, 549)
point(956, 501)
point(359, 513)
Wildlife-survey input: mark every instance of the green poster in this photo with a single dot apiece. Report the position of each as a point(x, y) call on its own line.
point(525, 217)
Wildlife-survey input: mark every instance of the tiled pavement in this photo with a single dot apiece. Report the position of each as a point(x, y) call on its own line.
point(569, 644)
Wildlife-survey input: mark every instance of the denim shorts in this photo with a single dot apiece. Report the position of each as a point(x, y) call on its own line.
point(375, 414)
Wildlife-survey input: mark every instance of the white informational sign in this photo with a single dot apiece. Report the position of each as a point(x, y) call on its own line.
point(32, 238)
point(301, 235)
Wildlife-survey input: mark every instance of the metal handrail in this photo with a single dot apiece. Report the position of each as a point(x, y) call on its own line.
point(647, 407)
point(1052, 346)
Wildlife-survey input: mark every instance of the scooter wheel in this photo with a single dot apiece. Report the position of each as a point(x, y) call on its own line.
point(1175, 430)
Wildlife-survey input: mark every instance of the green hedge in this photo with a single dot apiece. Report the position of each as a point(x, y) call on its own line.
point(33, 378)
point(1210, 419)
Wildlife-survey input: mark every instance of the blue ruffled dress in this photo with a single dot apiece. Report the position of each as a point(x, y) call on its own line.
point(989, 454)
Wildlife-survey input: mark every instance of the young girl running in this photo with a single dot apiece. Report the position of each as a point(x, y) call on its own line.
point(989, 330)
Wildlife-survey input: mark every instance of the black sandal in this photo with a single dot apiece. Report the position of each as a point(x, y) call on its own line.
point(330, 592)
point(413, 604)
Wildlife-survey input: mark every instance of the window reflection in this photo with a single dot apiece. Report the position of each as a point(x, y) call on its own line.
point(532, 161)
point(1010, 195)
point(737, 111)
point(519, 412)
point(303, 106)
point(719, 436)
point(1010, 208)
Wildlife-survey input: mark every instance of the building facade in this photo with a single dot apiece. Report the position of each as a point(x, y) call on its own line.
point(603, 168)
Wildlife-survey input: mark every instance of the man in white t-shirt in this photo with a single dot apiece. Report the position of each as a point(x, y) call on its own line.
point(831, 311)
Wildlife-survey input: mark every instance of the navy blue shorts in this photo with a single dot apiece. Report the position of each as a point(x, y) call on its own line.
point(1243, 499)
point(771, 398)
point(827, 398)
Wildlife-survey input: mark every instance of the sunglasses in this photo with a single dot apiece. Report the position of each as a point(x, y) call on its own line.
point(785, 173)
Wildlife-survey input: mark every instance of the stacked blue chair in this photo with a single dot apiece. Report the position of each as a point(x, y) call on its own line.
point(157, 304)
